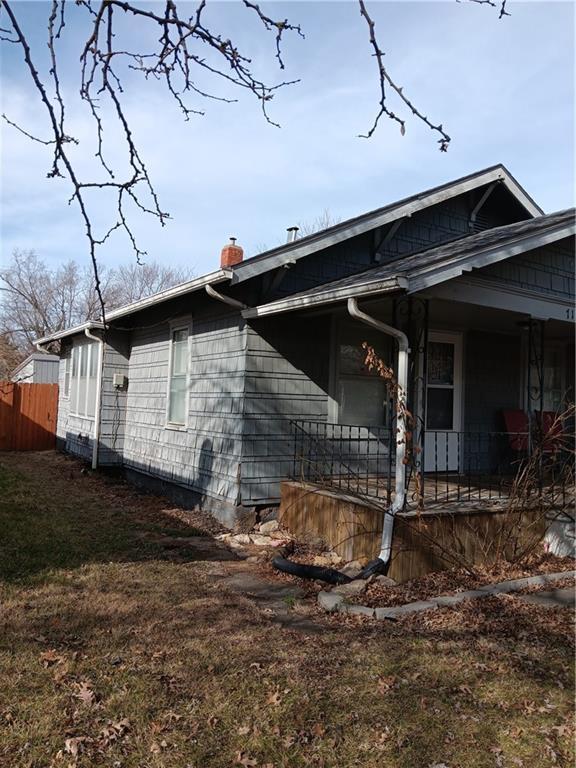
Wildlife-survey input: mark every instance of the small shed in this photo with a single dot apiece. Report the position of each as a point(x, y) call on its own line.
point(37, 368)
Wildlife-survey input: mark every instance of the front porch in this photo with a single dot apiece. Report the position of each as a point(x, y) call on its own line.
point(491, 432)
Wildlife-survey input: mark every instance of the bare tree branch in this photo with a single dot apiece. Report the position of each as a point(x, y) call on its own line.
point(187, 52)
point(385, 78)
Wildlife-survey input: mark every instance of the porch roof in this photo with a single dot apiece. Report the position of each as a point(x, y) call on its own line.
point(435, 265)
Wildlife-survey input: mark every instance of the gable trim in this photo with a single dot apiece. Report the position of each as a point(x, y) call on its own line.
point(440, 273)
point(292, 252)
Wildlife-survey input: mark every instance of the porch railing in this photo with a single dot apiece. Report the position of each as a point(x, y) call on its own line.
point(451, 467)
point(345, 457)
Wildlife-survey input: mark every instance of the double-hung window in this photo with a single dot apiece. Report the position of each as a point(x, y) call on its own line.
point(362, 396)
point(178, 381)
point(83, 374)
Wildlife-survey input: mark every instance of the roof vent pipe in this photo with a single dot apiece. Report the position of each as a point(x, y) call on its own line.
point(231, 254)
point(292, 234)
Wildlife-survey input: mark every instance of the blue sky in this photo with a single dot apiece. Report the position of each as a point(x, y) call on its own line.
point(504, 91)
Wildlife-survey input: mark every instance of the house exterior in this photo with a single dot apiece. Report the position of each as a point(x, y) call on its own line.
point(37, 368)
point(205, 389)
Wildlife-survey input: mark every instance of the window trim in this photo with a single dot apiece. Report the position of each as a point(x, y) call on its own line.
point(184, 324)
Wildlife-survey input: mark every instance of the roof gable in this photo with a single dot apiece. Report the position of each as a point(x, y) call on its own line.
point(435, 265)
point(291, 252)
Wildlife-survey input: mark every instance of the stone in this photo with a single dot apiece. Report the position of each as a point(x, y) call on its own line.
point(352, 573)
point(357, 610)
point(384, 581)
point(398, 611)
point(269, 527)
point(284, 535)
point(260, 541)
point(329, 601)
point(352, 569)
point(239, 538)
point(357, 587)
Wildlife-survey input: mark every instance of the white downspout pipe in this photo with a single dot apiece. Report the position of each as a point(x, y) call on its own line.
point(225, 299)
point(400, 471)
point(98, 405)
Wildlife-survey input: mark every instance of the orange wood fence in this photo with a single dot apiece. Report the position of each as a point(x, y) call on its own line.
point(28, 416)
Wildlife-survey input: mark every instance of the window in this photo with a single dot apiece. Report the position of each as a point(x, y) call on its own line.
point(82, 379)
point(177, 391)
point(440, 391)
point(67, 366)
point(362, 395)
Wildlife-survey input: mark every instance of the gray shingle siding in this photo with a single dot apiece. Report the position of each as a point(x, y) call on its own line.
point(205, 455)
point(113, 418)
point(433, 226)
point(486, 395)
point(548, 270)
point(286, 378)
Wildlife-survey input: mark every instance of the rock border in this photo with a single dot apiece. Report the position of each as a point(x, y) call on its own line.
point(332, 602)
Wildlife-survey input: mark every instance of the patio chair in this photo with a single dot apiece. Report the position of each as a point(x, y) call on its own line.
point(516, 422)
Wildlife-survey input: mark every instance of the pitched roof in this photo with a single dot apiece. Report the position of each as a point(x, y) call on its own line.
point(435, 265)
point(305, 246)
point(345, 230)
point(34, 356)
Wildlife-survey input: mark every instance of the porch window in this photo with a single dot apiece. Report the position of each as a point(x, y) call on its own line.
point(362, 395)
point(177, 393)
point(82, 379)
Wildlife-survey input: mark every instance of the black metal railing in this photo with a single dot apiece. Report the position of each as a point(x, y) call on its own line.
point(346, 457)
point(447, 467)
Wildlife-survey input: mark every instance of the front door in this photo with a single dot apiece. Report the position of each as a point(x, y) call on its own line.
point(443, 402)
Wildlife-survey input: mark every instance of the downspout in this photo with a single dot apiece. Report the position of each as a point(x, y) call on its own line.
point(98, 405)
point(226, 299)
point(400, 473)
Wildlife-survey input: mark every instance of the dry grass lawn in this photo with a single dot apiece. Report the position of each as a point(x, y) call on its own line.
point(120, 650)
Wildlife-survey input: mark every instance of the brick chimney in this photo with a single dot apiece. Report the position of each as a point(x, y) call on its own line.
point(231, 254)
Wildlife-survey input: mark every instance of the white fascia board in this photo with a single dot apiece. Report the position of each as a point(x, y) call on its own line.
point(89, 325)
point(329, 297)
point(251, 268)
point(468, 290)
point(426, 277)
point(516, 190)
point(220, 276)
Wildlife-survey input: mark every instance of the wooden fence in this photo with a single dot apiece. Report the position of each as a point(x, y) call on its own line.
point(28, 416)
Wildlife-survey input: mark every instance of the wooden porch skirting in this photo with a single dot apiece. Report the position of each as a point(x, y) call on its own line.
point(353, 529)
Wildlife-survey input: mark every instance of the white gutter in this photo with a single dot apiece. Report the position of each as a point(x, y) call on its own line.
point(98, 405)
point(220, 276)
point(401, 427)
point(68, 332)
point(320, 298)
